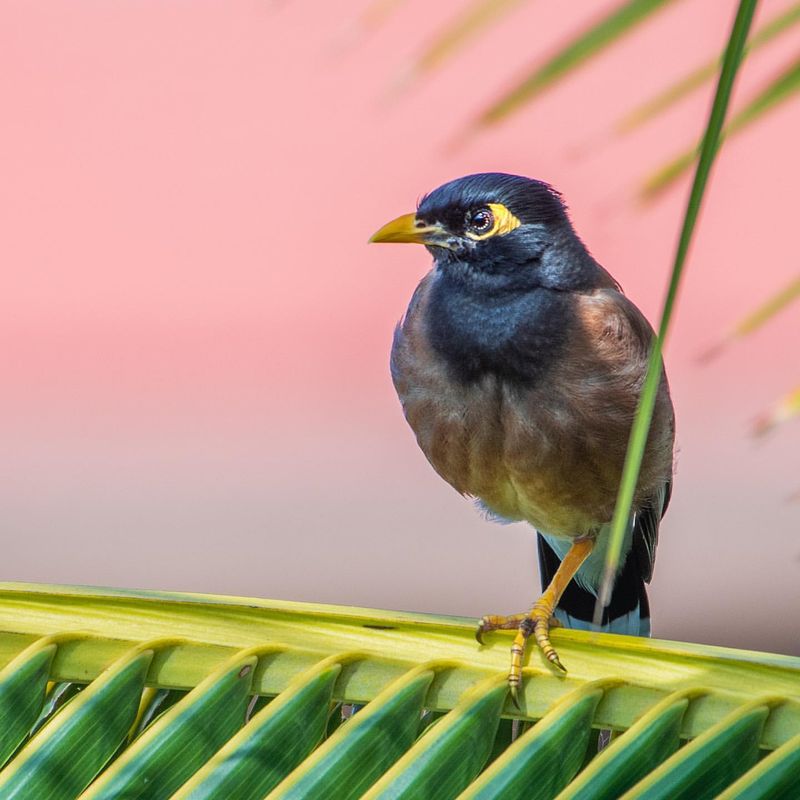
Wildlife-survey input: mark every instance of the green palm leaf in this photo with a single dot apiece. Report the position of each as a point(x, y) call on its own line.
point(469, 24)
point(277, 739)
point(698, 77)
point(785, 409)
point(22, 687)
point(781, 89)
point(575, 54)
point(544, 760)
point(632, 756)
point(752, 322)
point(65, 755)
point(775, 777)
point(402, 668)
point(644, 415)
point(731, 746)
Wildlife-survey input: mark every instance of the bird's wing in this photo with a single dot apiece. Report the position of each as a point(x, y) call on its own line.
point(624, 335)
point(615, 336)
point(645, 531)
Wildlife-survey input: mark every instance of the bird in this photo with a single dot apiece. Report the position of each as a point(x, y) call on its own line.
point(519, 364)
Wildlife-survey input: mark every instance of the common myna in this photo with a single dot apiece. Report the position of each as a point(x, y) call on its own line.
point(519, 365)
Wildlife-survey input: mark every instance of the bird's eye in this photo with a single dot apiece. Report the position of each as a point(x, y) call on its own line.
point(480, 221)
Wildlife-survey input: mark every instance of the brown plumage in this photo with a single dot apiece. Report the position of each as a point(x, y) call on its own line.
point(550, 454)
point(519, 366)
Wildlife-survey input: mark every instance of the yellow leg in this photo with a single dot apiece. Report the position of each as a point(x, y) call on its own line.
point(538, 620)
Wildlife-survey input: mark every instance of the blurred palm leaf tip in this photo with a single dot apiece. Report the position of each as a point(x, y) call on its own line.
point(787, 407)
point(699, 76)
point(112, 694)
point(754, 321)
point(592, 41)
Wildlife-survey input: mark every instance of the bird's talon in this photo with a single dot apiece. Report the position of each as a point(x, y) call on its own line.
point(515, 697)
point(556, 662)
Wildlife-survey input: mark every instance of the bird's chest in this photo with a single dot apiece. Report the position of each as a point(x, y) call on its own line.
point(489, 443)
point(516, 338)
point(496, 400)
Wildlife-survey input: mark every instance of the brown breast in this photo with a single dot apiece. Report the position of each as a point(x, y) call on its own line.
point(551, 453)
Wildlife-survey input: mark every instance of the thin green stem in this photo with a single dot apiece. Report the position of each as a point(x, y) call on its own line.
point(641, 425)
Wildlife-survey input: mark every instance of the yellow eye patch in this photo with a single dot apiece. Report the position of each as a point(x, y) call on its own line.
point(504, 222)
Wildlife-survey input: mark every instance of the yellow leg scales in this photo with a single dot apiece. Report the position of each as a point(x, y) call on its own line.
point(539, 619)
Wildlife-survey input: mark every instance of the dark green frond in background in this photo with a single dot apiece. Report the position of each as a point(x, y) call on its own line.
point(470, 24)
point(777, 92)
point(752, 322)
point(575, 54)
point(702, 75)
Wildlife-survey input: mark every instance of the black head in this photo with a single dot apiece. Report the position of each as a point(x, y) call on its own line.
point(498, 231)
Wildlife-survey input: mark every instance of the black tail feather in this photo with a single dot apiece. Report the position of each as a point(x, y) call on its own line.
point(629, 589)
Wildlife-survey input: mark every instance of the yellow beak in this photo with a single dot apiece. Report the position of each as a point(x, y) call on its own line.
point(410, 229)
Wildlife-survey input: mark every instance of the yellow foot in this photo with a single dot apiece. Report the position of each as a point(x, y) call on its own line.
point(538, 622)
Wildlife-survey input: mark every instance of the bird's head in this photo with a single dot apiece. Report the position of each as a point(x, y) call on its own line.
point(496, 228)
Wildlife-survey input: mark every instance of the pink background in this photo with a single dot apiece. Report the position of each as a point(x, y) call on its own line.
point(195, 333)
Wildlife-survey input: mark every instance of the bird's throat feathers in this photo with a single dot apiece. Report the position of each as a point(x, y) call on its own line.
point(516, 336)
point(507, 312)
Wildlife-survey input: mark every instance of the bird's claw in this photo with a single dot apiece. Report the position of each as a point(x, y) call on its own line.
point(492, 622)
point(479, 631)
point(556, 662)
point(537, 623)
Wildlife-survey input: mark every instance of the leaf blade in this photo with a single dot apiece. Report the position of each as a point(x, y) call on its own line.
point(630, 757)
point(578, 51)
point(776, 777)
point(710, 763)
point(182, 739)
point(450, 754)
point(67, 753)
point(755, 320)
point(774, 94)
point(787, 408)
point(641, 425)
point(696, 78)
point(272, 744)
point(543, 760)
point(22, 693)
point(361, 750)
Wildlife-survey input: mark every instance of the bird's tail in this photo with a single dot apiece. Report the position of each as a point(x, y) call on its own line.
point(627, 613)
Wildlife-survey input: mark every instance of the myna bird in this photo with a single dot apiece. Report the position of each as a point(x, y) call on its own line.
point(519, 365)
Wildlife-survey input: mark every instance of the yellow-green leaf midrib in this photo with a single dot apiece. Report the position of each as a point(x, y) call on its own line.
point(212, 629)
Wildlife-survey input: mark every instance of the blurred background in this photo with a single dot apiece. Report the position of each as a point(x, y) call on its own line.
point(195, 334)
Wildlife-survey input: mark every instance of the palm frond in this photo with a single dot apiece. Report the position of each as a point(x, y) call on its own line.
point(401, 670)
point(788, 407)
point(641, 424)
point(698, 77)
point(781, 89)
point(752, 322)
point(575, 54)
point(469, 24)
